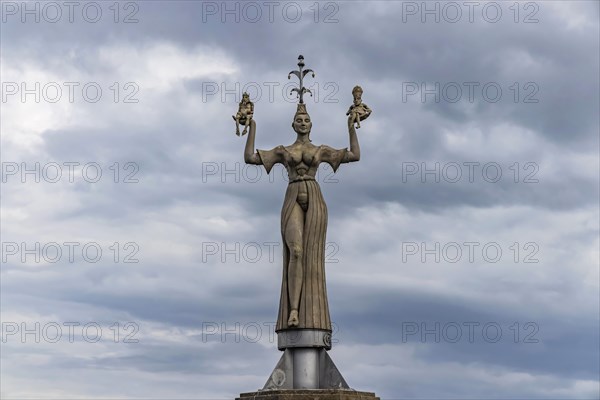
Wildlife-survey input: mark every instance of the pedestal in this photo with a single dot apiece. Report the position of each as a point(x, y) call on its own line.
point(315, 394)
point(305, 371)
point(305, 363)
point(305, 368)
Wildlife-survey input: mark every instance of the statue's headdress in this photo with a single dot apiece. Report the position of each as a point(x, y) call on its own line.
point(301, 109)
point(300, 90)
point(356, 89)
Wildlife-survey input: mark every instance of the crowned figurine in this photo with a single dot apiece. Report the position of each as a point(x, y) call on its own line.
point(244, 114)
point(358, 111)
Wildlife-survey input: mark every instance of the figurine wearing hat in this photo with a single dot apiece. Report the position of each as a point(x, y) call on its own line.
point(244, 114)
point(358, 111)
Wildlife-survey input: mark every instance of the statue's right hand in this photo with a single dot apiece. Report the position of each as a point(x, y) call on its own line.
point(350, 122)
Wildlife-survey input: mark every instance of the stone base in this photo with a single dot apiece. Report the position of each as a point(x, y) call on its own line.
point(305, 368)
point(308, 394)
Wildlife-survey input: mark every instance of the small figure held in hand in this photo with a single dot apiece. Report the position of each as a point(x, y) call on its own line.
point(358, 111)
point(244, 114)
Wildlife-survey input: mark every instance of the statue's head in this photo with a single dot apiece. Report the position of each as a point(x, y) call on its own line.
point(302, 123)
point(245, 97)
point(357, 93)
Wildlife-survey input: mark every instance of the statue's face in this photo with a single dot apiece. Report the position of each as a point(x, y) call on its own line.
point(245, 98)
point(302, 124)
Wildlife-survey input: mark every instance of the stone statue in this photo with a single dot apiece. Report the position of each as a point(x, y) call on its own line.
point(358, 111)
point(303, 323)
point(244, 114)
point(303, 303)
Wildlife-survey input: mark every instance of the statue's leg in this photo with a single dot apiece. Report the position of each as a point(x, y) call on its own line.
point(237, 126)
point(293, 240)
point(246, 126)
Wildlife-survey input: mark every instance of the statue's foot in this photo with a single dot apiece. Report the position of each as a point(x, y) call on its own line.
point(293, 320)
point(244, 131)
point(357, 126)
point(237, 132)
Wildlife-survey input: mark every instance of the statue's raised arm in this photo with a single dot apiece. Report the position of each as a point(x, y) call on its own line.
point(250, 157)
point(354, 153)
point(266, 158)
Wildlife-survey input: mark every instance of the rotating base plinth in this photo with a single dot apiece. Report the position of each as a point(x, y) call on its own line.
point(305, 363)
point(305, 371)
point(305, 368)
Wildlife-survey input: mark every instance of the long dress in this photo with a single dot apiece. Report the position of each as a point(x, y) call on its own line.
point(313, 311)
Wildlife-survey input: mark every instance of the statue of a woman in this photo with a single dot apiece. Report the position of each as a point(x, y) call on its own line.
point(303, 303)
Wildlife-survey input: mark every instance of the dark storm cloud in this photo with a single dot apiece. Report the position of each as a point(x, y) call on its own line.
point(451, 329)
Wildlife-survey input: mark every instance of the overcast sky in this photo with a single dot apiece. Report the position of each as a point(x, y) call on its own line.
point(463, 248)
